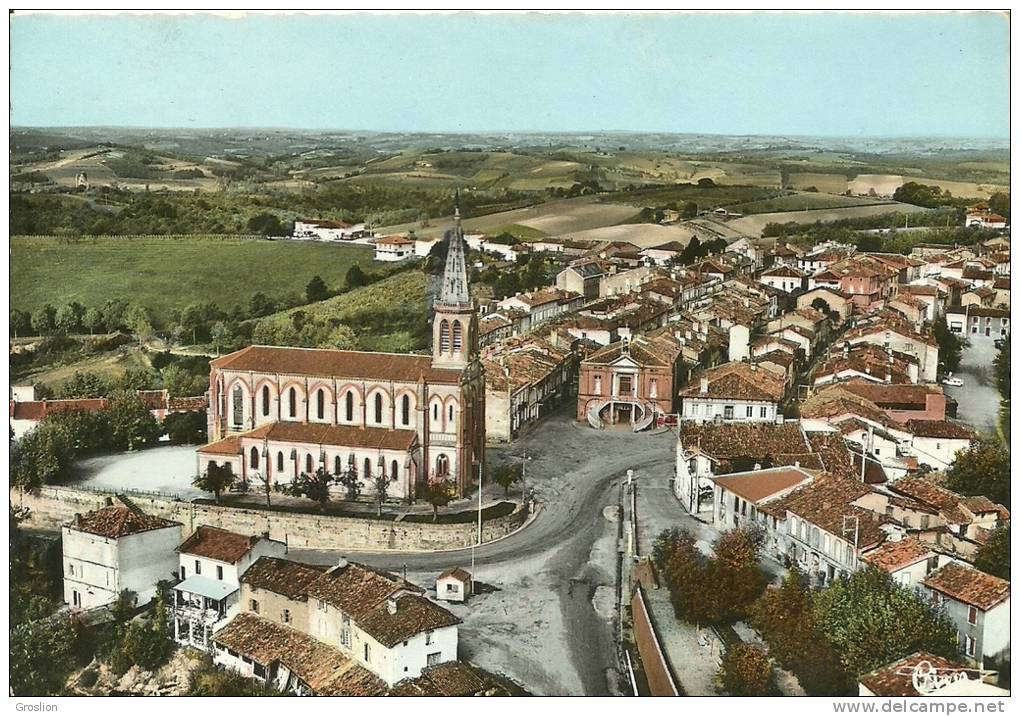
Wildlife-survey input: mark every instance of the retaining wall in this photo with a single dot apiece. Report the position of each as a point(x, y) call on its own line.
point(50, 507)
point(660, 680)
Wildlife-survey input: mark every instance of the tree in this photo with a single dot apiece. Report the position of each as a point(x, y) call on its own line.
point(43, 320)
point(950, 345)
point(1001, 367)
point(193, 318)
point(736, 574)
point(506, 476)
point(316, 290)
point(380, 488)
point(92, 319)
point(85, 384)
point(139, 322)
point(20, 322)
point(145, 643)
point(220, 333)
point(999, 203)
point(216, 479)
point(982, 469)
point(348, 479)
point(260, 305)
point(691, 252)
point(439, 491)
point(706, 183)
point(131, 424)
point(342, 337)
point(266, 224)
point(212, 680)
point(872, 621)
point(68, 317)
point(179, 382)
point(747, 671)
point(356, 277)
point(869, 243)
point(186, 428)
point(314, 486)
point(42, 654)
point(135, 379)
point(993, 556)
point(690, 210)
point(41, 457)
point(784, 619)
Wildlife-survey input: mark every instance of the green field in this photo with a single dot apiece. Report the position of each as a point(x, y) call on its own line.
point(167, 273)
point(802, 201)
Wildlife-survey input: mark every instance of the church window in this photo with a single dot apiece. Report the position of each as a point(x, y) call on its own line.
point(405, 410)
point(444, 336)
point(442, 465)
point(254, 458)
point(598, 385)
point(449, 417)
point(435, 412)
point(238, 405)
point(265, 400)
point(368, 469)
point(349, 405)
point(279, 460)
point(308, 464)
point(378, 408)
point(458, 338)
point(292, 399)
point(320, 404)
point(394, 469)
point(338, 465)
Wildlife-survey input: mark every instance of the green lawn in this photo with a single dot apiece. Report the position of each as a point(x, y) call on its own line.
point(167, 273)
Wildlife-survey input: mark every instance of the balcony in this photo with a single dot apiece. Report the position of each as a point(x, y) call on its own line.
point(197, 614)
point(442, 438)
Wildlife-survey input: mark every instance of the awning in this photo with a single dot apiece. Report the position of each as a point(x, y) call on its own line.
point(206, 587)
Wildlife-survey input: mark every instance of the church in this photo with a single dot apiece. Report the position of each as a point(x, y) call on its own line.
point(276, 412)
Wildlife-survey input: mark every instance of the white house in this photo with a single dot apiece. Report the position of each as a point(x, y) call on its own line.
point(454, 585)
point(394, 248)
point(733, 392)
point(936, 442)
point(907, 560)
point(784, 278)
point(324, 230)
point(212, 561)
point(115, 548)
point(978, 604)
point(741, 499)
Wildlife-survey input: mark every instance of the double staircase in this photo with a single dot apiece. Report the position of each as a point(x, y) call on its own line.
point(595, 419)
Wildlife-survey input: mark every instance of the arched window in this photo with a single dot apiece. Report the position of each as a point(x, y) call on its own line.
point(279, 460)
point(449, 416)
point(458, 338)
point(265, 400)
point(292, 399)
point(405, 410)
point(435, 412)
point(254, 458)
point(320, 404)
point(394, 469)
point(349, 406)
point(338, 465)
point(238, 405)
point(368, 469)
point(378, 408)
point(442, 465)
point(308, 464)
point(444, 336)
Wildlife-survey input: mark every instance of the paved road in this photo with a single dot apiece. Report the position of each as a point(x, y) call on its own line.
point(565, 560)
point(979, 397)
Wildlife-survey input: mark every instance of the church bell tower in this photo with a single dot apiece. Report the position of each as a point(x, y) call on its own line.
point(455, 323)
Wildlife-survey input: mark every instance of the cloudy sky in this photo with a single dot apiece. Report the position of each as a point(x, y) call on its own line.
point(829, 74)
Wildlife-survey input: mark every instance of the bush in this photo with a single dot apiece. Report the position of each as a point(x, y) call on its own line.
point(747, 671)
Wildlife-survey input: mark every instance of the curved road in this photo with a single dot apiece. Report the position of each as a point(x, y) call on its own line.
point(564, 561)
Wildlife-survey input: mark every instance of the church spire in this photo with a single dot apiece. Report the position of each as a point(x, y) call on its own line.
point(454, 291)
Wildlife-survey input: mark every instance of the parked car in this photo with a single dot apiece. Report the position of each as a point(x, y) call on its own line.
point(953, 381)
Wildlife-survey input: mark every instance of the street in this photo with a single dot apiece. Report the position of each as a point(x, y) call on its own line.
point(549, 625)
point(978, 397)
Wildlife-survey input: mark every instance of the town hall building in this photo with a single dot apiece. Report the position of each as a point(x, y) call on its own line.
point(277, 412)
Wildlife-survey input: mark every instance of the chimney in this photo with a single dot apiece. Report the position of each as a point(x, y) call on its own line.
point(757, 466)
point(704, 386)
point(391, 605)
point(796, 463)
point(341, 564)
point(77, 519)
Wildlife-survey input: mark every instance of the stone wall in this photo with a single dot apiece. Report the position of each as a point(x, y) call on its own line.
point(49, 507)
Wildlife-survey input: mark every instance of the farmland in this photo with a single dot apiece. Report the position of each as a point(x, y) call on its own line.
point(753, 225)
point(167, 273)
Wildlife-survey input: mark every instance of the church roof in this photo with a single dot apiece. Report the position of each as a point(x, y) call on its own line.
point(454, 291)
point(323, 362)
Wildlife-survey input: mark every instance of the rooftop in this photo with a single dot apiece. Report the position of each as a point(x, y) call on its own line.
point(118, 521)
point(282, 576)
point(896, 679)
point(218, 544)
point(893, 556)
point(968, 585)
point(762, 485)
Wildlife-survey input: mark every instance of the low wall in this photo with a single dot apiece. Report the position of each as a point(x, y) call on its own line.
point(660, 680)
point(50, 507)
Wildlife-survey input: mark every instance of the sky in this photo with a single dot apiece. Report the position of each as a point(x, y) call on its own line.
point(851, 75)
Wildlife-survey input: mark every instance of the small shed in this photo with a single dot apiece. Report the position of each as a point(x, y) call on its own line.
point(454, 585)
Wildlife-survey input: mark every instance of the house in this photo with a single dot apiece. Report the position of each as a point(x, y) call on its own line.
point(584, 277)
point(866, 362)
point(1001, 288)
point(985, 219)
point(924, 674)
point(899, 336)
point(393, 248)
point(542, 305)
point(116, 548)
point(934, 305)
point(663, 254)
point(907, 560)
point(979, 323)
point(525, 378)
point(978, 604)
point(212, 562)
point(740, 496)
point(786, 255)
point(277, 411)
point(454, 585)
point(739, 392)
point(784, 277)
point(325, 230)
point(629, 281)
point(939, 441)
point(494, 328)
point(631, 382)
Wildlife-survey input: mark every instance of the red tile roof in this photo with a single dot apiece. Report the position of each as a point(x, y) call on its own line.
point(218, 544)
point(893, 556)
point(118, 521)
point(282, 576)
point(896, 679)
point(325, 434)
point(761, 485)
point(737, 381)
point(320, 362)
point(968, 585)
